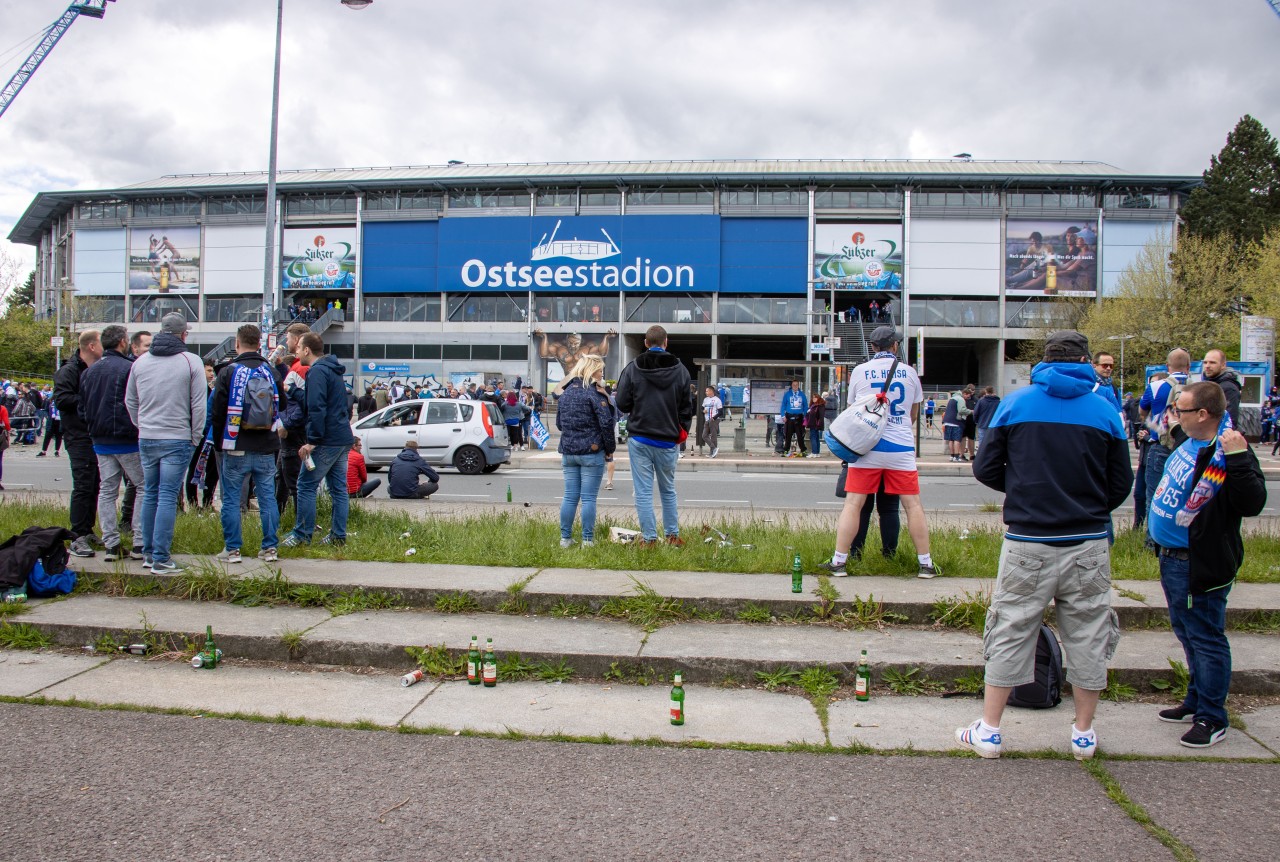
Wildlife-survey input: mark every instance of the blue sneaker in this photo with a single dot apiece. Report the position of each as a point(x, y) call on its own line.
point(972, 738)
point(292, 541)
point(1084, 743)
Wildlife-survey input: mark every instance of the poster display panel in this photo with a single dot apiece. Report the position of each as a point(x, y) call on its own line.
point(164, 260)
point(318, 259)
point(1051, 257)
point(858, 255)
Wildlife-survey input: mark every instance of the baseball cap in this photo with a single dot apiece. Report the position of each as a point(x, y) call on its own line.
point(1066, 344)
point(885, 335)
point(173, 323)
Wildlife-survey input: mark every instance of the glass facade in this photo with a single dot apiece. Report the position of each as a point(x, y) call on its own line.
point(669, 308)
point(472, 307)
point(233, 309)
point(762, 309)
point(575, 309)
point(969, 311)
point(394, 309)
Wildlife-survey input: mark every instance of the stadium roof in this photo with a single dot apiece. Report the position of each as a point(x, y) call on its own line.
point(50, 205)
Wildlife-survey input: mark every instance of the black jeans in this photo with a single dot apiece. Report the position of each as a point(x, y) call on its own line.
point(287, 476)
point(795, 425)
point(84, 486)
point(53, 431)
point(890, 523)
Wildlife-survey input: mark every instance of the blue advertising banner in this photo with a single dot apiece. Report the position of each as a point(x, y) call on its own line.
point(400, 257)
point(580, 253)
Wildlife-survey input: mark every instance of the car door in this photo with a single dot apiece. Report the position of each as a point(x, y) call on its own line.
point(440, 432)
point(391, 430)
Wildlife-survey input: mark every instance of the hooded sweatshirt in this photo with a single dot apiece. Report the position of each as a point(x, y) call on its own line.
point(167, 393)
point(402, 479)
point(1060, 455)
point(1230, 384)
point(654, 389)
point(328, 413)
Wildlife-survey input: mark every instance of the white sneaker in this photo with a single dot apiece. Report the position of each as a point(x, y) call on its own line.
point(229, 556)
point(587, 543)
point(1084, 744)
point(566, 543)
point(269, 555)
point(971, 737)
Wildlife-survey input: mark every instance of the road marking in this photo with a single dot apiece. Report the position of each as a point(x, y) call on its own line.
point(716, 501)
point(486, 496)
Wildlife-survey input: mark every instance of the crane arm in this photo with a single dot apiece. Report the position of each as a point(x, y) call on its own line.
point(91, 8)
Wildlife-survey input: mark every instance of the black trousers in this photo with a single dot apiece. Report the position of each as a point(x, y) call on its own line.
point(53, 431)
point(287, 476)
point(890, 523)
point(126, 508)
point(795, 425)
point(84, 486)
point(425, 489)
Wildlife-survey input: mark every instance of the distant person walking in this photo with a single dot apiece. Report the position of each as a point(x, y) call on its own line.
point(654, 390)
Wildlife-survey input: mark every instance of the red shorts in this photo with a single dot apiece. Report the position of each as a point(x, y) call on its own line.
point(904, 483)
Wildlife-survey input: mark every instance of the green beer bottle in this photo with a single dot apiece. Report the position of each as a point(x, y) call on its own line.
point(473, 662)
point(797, 575)
point(677, 700)
point(489, 668)
point(862, 679)
point(508, 493)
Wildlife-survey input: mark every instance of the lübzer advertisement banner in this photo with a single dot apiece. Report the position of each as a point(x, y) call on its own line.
point(858, 255)
point(319, 259)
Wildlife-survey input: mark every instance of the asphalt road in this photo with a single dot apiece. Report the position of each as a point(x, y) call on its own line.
point(102, 785)
point(704, 489)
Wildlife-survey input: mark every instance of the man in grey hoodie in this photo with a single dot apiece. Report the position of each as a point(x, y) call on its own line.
point(166, 398)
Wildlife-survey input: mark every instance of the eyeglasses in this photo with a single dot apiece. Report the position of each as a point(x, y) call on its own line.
point(1178, 411)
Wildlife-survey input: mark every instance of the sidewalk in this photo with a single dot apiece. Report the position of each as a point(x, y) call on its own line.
point(346, 668)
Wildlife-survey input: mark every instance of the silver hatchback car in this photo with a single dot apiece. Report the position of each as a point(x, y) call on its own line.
point(467, 435)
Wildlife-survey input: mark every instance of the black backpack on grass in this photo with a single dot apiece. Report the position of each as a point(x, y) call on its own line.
point(1046, 691)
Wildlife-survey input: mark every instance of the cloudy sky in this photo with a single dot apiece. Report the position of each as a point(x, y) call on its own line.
point(183, 86)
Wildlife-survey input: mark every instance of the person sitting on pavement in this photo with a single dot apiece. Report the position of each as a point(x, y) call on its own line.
point(358, 482)
point(402, 479)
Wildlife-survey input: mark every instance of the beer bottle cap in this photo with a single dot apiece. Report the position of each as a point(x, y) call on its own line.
point(678, 679)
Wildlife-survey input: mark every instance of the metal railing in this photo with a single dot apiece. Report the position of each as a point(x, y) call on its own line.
point(226, 348)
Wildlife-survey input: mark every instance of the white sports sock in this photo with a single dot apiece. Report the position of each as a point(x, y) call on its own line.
point(986, 728)
point(925, 559)
point(1075, 731)
point(838, 558)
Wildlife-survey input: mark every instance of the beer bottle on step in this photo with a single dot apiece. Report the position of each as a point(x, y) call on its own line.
point(473, 662)
point(677, 700)
point(797, 575)
point(489, 669)
point(862, 679)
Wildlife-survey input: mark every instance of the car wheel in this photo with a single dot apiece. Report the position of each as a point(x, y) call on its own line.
point(491, 468)
point(469, 460)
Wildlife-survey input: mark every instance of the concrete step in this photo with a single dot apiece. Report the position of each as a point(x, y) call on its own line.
point(1139, 604)
point(706, 652)
point(715, 715)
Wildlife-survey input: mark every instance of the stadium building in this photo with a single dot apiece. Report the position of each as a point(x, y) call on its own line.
point(466, 271)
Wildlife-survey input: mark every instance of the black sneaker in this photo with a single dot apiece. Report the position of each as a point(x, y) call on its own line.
point(1178, 715)
point(113, 553)
point(1203, 734)
point(833, 569)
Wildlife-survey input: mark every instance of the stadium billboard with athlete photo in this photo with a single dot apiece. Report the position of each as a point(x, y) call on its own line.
point(1055, 257)
point(164, 260)
point(858, 255)
point(563, 350)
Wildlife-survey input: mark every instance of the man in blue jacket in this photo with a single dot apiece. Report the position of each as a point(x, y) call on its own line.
point(114, 436)
point(794, 407)
point(328, 431)
point(1060, 455)
point(402, 480)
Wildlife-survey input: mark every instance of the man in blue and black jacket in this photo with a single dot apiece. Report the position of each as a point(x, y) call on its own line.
point(1060, 455)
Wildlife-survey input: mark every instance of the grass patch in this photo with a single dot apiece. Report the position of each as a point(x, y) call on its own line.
point(437, 661)
point(782, 678)
point(1176, 686)
point(515, 602)
point(818, 682)
point(827, 595)
point(645, 607)
point(456, 602)
point(908, 682)
point(564, 608)
point(359, 600)
point(753, 613)
point(13, 609)
point(1136, 812)
point(292, 640)
point(558, 672)
point(1262, 622)
point(513, 668)
point(1130, 594)
point(22, 636)
point(971, 683)
point(1116, 690)
point(968, 612)
point(632, 674)
point(869, 613)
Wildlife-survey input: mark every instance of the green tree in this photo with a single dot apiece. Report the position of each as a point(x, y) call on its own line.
point(26, 294)
point(1241, 192)
point(24, 343)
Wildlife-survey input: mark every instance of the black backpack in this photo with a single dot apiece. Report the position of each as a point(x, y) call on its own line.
point(1046, 691)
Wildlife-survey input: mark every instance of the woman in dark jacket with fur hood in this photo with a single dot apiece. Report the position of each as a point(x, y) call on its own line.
point(586, 439)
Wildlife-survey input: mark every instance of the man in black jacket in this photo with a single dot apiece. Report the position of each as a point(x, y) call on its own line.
point(1210, 482)
point(402, 478)
point(246, 451)
point(1214, 369)
point(115, 438)
point(84, 463)
point(654, 389)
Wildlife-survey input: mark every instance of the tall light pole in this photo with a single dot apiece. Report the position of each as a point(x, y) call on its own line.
point(268, 271)
point(1122, 339)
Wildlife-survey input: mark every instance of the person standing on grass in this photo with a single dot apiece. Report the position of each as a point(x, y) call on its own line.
point(654, 391)
point(115, 439)
point(1060, 455)
point(328, 433)
point(167, 399)
point(84, 463)
point(585, 421)
point(711, 407)
point(1211, 481)
point(892, 461)
point(246, 436)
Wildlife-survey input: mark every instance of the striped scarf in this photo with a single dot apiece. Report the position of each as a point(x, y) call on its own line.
point(1210, 482)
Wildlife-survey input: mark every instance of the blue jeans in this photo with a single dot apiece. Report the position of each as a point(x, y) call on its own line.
point(262, 466)
point(815, 441)
point(164, 464)
point(331, 464)
point(1156, 456)
point(647, 464)
point(582, 475)
point(1201, 629)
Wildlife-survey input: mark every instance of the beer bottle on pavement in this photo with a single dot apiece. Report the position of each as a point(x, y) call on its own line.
point(797, 575)
point(862, 679)
point(489, 669)
point(677, 700)
point(473, 662)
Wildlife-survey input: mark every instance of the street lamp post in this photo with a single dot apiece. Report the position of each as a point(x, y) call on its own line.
point(1122, 339)
point(268, 274)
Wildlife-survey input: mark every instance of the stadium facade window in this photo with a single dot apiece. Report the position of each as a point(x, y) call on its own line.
point(496, 307)
point(236, 206)
point(669, 197)
point(600, 198)
point(958, 197)
point(761, 309)
point(845, 199)
point(232, 309)
point(104, 210)
point(1060, 198)
point(488, 199)
point(388, 308)
point(403, 200)
point(669, 308)
point(320, 205)
point(574, 309)
point(166, 208)
point(936, 311)
point(556, 198)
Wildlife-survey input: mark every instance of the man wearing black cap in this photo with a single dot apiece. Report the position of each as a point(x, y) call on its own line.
point(893, 459)
point(1056, 512)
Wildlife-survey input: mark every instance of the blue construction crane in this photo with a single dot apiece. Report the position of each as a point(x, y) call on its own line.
point(91, 8)
point(1275, 6)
